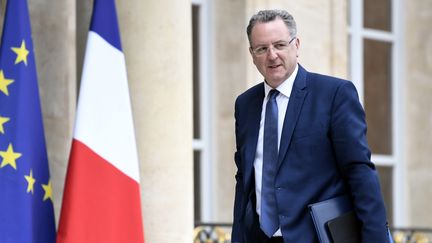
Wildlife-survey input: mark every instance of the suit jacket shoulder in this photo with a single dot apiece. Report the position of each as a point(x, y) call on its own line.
point(251, 93)
point(316, 80)
point(324, 88)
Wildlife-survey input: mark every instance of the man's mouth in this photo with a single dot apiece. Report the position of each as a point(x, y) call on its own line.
point(274, 66)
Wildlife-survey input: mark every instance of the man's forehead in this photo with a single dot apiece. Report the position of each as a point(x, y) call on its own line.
point(273, 24)
point(270, 30)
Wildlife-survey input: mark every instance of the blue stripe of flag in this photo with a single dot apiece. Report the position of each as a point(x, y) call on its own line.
point(104, 22)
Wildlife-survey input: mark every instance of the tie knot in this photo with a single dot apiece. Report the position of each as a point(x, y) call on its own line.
point(273, 94)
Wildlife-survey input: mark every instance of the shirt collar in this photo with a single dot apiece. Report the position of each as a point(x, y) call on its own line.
point(285, 87)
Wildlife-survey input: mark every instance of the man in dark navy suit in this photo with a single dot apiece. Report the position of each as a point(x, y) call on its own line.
point(301, 139)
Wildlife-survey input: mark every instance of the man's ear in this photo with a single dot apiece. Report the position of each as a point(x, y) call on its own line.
point(297, 44)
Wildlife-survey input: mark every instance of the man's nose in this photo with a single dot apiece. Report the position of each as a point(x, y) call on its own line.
point(271, 53)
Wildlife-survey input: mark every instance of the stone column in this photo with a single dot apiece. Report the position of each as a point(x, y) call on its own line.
point(156, 38)
point(54, 40)
point(418, 119)
point(230, 56)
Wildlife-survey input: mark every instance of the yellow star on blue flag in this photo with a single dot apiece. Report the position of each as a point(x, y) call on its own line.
point(26, 214)
point(21, 53)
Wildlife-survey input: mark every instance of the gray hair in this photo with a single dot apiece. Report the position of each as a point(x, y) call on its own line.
point(265, 16)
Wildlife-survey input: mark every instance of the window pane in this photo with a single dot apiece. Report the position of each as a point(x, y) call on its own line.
point(377, 14)
point(349, 12)
point(196, 112)
point(197, 185)
point(386, 180)
point(377, 95)
point(349, 59)
point(196, 73)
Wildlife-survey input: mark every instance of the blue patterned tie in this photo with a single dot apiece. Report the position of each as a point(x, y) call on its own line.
point(269, 214)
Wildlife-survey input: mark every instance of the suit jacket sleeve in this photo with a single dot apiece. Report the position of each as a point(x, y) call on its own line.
point(348, 131)
point(237, 232)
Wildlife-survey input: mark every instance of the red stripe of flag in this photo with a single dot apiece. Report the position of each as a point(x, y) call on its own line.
point(103, 197)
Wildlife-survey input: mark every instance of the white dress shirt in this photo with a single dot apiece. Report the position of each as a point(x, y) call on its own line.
point(282, 102)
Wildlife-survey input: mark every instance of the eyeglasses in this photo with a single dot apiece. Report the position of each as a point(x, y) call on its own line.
point(277, 46)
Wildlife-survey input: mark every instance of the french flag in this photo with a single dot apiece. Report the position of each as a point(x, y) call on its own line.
point(101, 201)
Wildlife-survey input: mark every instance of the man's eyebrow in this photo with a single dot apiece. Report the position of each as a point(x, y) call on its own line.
point(275, 42)
point(279, 42)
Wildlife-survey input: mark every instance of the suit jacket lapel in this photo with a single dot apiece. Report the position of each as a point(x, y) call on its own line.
point(295, 103)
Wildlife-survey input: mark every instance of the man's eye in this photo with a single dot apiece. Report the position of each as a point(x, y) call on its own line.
point(261, 49)
point(280, 46)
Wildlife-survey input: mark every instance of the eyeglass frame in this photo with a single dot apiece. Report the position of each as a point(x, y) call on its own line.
point(261, 50)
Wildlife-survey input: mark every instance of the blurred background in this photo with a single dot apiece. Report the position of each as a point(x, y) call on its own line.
point(188, 60)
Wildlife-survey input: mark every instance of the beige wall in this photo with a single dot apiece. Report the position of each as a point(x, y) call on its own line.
point(53, 28)
point(418, 113)
point(157, 44)
point(156, 38)
point(230, 64)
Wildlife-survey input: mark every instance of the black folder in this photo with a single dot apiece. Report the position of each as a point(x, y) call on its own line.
point(345, 228)
point(335, 221)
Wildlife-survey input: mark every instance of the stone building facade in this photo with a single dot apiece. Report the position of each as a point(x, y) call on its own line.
point(188, 60)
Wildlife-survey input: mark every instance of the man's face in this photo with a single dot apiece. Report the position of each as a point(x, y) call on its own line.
point(274, 51)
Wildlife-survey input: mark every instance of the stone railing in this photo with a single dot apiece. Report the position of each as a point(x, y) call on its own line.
point(221, 233)
point(212, 233)
point(412, 235)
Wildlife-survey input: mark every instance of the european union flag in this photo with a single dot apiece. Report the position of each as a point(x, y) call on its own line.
point(26, 202)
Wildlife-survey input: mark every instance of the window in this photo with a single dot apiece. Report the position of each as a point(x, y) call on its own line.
point(202, 113)
point(375, 42)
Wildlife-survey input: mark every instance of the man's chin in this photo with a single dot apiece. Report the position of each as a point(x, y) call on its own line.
point(274, 82)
